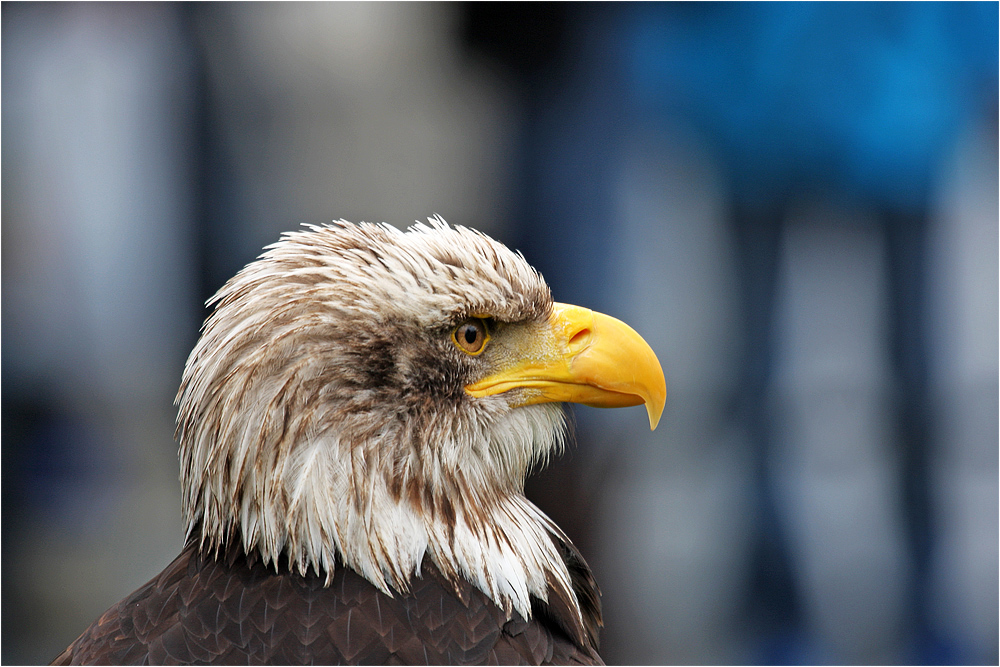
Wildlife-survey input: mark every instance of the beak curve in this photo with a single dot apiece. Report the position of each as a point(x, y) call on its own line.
point(583, 357)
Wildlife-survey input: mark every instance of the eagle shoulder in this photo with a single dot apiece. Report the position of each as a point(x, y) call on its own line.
point(231, 608)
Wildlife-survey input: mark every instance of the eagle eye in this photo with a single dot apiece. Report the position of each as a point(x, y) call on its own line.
point(471, 335)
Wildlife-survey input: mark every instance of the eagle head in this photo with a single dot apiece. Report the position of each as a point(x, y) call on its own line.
point(371, 397)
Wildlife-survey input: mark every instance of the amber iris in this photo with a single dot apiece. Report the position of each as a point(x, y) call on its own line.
point(471, 335)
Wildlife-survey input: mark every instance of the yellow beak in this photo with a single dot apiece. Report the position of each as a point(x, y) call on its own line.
point(583, 357)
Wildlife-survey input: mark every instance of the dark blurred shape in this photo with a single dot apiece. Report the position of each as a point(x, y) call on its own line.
point(526, 37)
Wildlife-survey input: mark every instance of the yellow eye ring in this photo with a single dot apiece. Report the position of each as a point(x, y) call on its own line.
point(471, 336)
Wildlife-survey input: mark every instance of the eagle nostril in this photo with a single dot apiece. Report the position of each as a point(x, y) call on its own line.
point(580, 338)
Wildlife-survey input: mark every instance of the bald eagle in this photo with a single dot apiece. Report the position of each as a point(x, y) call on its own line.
point(355, 425)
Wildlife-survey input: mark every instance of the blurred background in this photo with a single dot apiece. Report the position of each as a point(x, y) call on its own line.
point(795, 204)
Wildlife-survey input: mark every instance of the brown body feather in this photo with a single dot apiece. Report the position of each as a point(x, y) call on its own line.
point(235, 610)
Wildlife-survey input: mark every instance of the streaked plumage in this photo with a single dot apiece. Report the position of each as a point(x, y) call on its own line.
point(355, 425)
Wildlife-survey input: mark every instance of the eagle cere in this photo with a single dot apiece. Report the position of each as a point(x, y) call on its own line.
point(355, 426)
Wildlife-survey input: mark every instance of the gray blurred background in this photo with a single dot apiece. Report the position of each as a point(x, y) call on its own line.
point(795, 204)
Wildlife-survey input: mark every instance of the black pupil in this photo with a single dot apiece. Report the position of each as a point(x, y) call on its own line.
point(471, 334)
